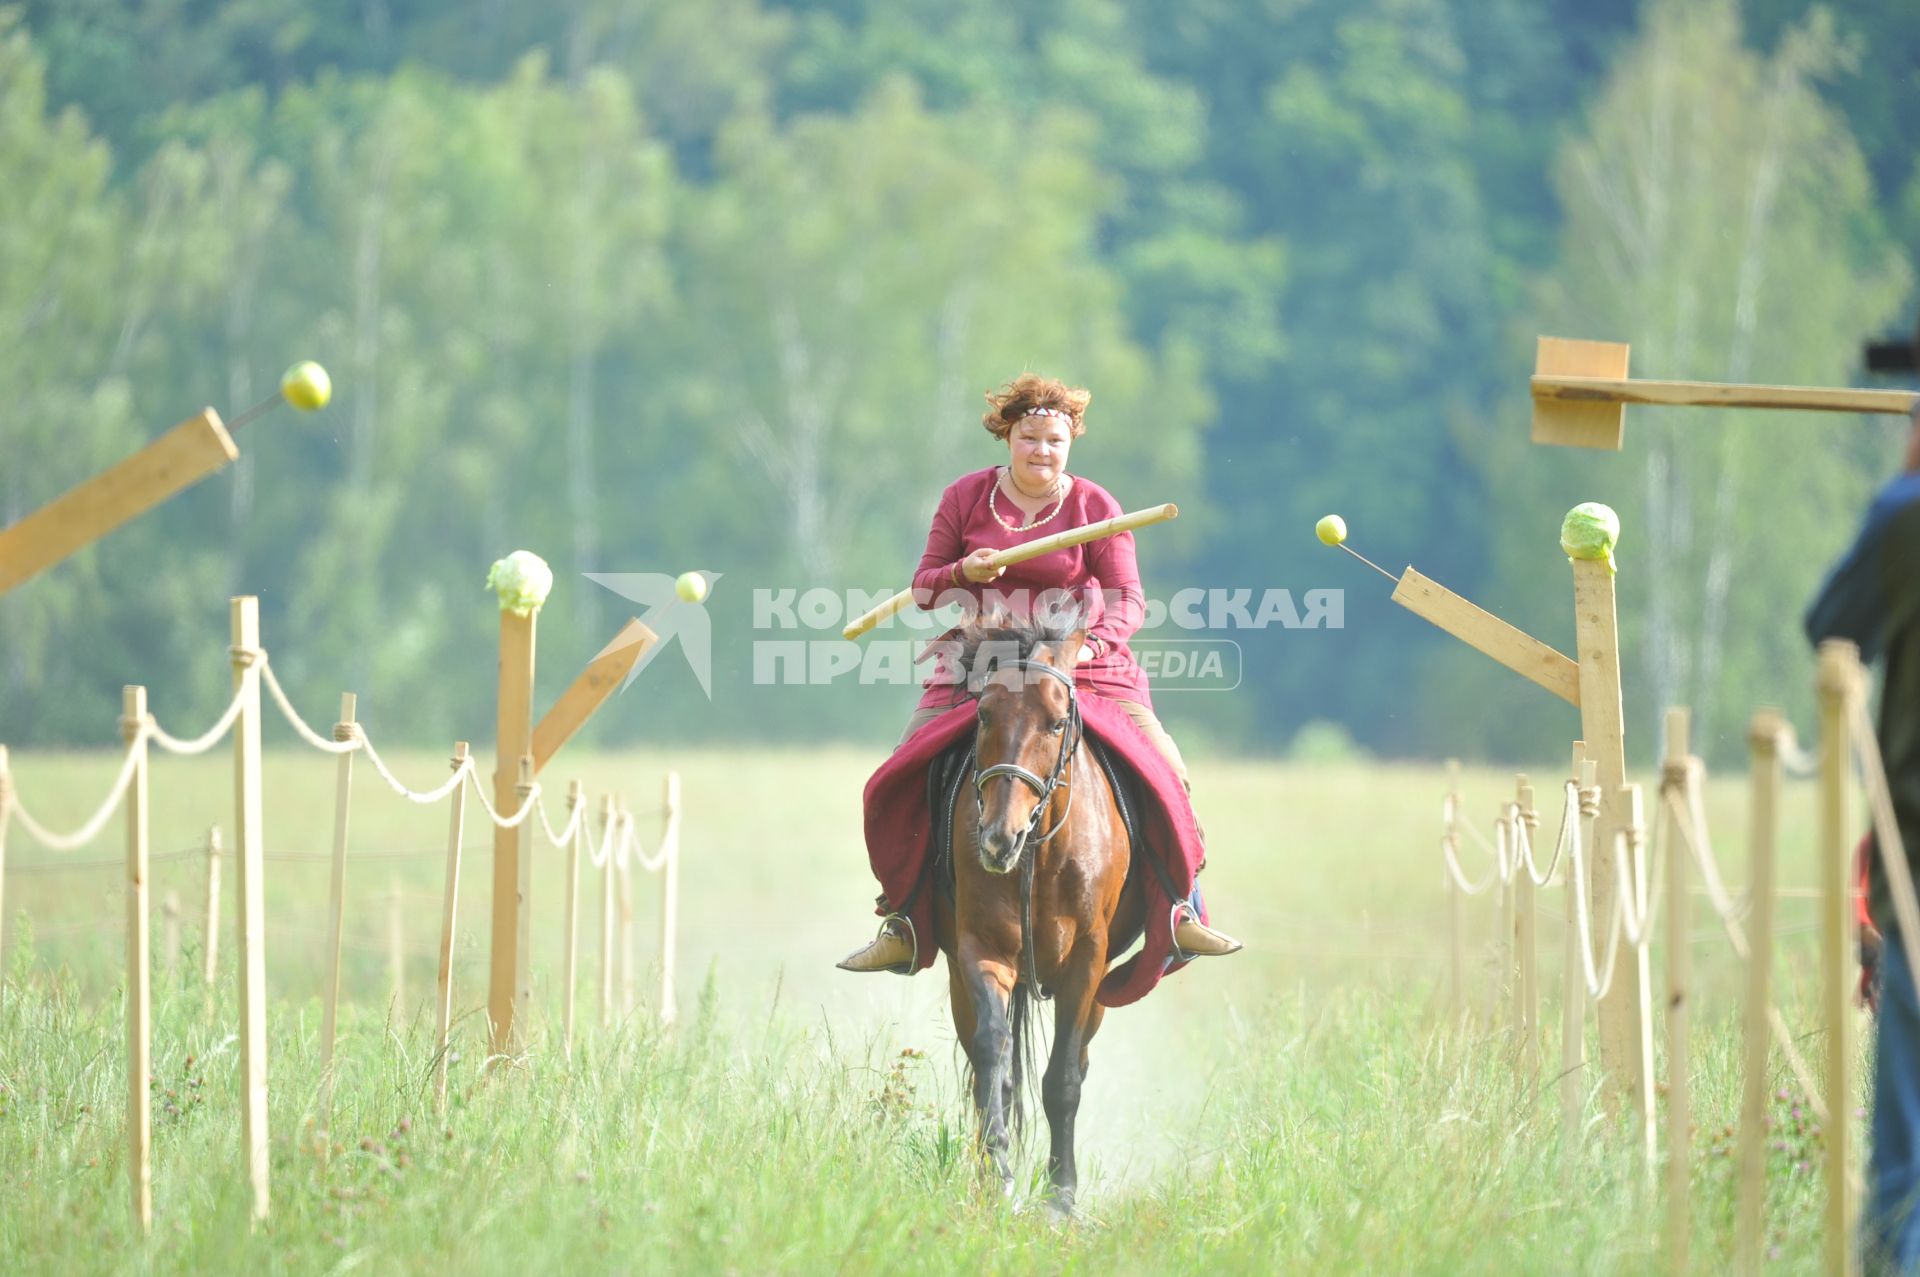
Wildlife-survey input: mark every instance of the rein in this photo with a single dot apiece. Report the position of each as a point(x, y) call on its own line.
point(1069, 745)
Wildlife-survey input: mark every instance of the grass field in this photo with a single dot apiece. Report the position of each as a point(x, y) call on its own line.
point(1307, 1106)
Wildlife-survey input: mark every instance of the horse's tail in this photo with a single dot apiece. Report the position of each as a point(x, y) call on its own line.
point(1026, 1053)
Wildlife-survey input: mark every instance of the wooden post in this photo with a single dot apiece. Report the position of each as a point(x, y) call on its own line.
point(1838, 684)
point(514, 734)
point(249, 833)
point(1526, 987)
point(336, 917)
point(1456, 907)
point(1573, 980)
point(397, 943)
point(570, 919)
point(170, 936)
point(523, 943)
point(1603, 727)
point(139, 989)
point(449, 920)
point(1763, 739)
point(1679, 919)
point(609, 821)
point(1645, 1117)
point(210, 939)
point(670, 899)
point(624, 876)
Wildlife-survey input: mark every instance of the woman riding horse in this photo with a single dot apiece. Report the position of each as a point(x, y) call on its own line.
point(1032, 496)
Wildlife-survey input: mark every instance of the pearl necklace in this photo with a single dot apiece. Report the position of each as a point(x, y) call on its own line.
point(993, 505)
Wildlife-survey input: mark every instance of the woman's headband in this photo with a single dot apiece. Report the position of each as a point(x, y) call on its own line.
point(1061, 413)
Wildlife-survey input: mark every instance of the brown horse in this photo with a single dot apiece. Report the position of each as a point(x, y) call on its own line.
point(1041, 894)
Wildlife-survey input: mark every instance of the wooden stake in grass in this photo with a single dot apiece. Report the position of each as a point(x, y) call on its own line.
point(139, 991)
point(449, 919)
point(609, 835)
point(514, 735)
point(570, 918)
point(1763, 739)
point(1526, 986)
point(336, 901)
point(249, 833)
point(1677, 784)
point(210, 934)
point(1839, 682)
point(669, 896)
point(1573, 980)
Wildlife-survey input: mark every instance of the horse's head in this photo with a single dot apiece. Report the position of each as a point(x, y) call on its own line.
point(1021, 673)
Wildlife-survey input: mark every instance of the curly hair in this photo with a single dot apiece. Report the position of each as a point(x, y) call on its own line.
point(1029, 391)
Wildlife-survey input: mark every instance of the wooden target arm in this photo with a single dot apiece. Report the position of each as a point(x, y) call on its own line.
point(599, 681)
point(1477, 628)
point(1031, 550)
point(184, 455)
point(1713, 394)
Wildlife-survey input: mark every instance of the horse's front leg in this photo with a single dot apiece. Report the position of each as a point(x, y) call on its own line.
point(990, 1048)
point(1076, 1019)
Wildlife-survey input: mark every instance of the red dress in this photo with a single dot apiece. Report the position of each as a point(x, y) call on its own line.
point(1105, 569)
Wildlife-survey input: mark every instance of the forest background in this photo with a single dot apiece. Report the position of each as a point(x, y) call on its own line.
point(718, 284)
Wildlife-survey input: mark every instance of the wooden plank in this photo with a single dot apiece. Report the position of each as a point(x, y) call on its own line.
point(1839, 682)
point(1566, 389)
point(336, 917)
point(513, 734)
point(249, 838)
point(1482, 630)
point(1603, 727)
point(601, 679)
point(1579, 424)
point(1763, 740)
point(139, 989)
point(189, 452)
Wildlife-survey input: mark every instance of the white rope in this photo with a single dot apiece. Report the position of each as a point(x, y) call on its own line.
point(1449, 846)
point(565, 835)
point(1525, 844)
point(1794, 760)
point(292, 715)
point(640, 858)
point(597, 857)
point(95, 823)
point(212, 736)
point(423, 796)
point(505, 822)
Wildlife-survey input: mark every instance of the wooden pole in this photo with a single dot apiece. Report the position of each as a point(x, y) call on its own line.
point(397, 943)
point(449, 920)
point(1646, 1118)
point(249, 832)
point(1456, 899)
point(609, 820)
point(1603, 727)
point(210, 959)
point(1679, 768)
point(336, 901)
point(139, 989)
point(627, 868)
point(1763, 739)
point(570, 920)
point(1838, 683)
point(1573, 980)
point(1526, 987)
point(1488, 634)
point(170, 936)
point(523, 944)
point(670, 898)
point(513, 736)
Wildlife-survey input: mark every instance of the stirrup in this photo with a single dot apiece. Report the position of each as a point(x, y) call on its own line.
point(1182, 910)
point(894, 925)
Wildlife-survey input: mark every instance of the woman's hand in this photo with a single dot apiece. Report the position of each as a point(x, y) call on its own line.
point(1086, 654)
point(979, 567)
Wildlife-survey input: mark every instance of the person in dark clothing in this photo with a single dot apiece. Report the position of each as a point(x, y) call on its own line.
point(1872, 596)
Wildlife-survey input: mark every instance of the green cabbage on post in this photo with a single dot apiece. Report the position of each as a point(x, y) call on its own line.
point(522, 580)
point(1590, 531)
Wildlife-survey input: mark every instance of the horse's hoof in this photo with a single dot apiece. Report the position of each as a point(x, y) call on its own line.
point(1059, 1209)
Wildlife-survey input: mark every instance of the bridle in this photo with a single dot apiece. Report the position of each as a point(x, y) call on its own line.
point(1069, 743)
point(1028, 844)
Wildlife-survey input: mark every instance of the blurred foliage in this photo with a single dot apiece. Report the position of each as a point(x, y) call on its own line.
point(658, 285)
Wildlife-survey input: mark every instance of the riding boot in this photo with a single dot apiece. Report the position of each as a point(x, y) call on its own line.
point(894, 949)
point(1195, 939)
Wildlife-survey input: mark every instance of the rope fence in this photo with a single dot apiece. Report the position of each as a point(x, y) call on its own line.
point(1665, 864)
point(616, 854)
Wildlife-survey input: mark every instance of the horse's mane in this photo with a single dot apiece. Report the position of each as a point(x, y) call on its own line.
point(1001, 637)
